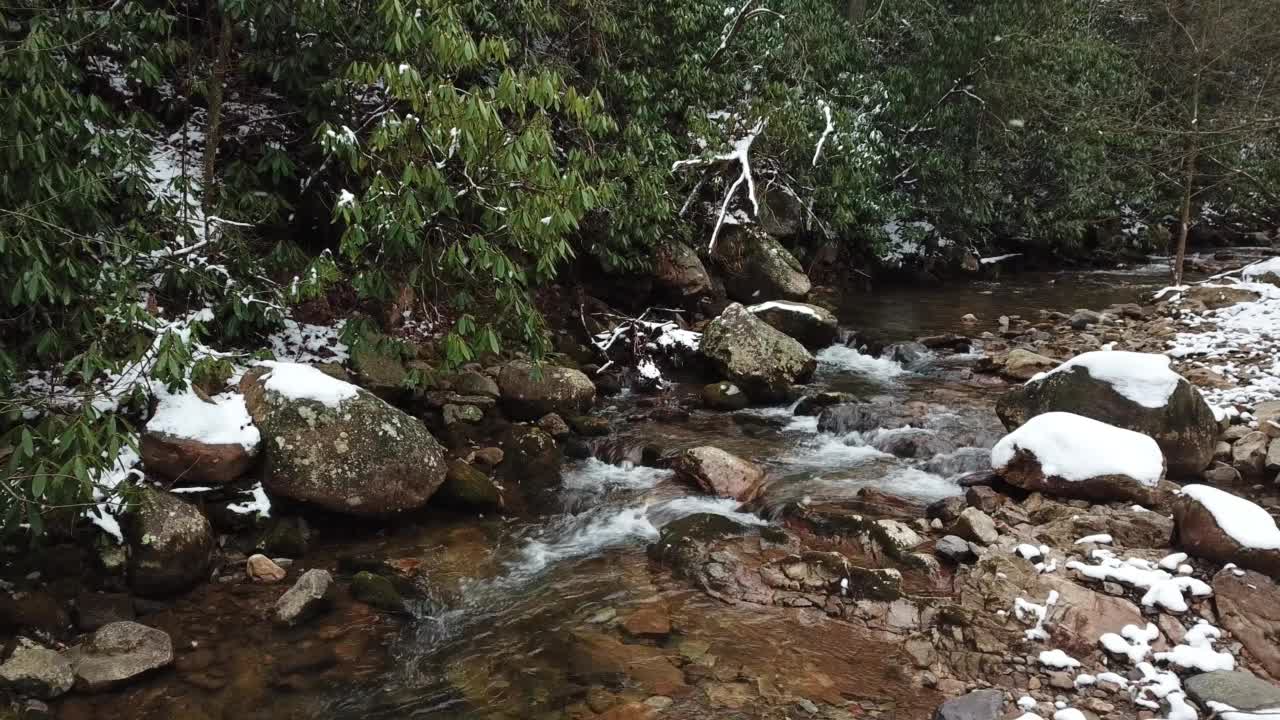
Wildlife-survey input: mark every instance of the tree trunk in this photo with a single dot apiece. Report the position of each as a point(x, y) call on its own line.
point(1191, 158)
point(216, 80)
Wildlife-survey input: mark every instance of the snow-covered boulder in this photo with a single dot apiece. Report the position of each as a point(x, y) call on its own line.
point(332, 444)
point(530, 392)
point(756, 267)
point(1216, 525)
point(815, 327)
point(1135, 391)
point(170, 543)
point(757, 358)
point(193, 440)
point(719, 473)
point(1074, 456)
point(1267, 271)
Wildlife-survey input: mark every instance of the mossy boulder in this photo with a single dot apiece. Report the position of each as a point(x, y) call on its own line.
point(530, 392)
point(340, 447)
point(757, 358)
point(376, 591)
point(679, 273)
point(815, 327)
point(466, 487)
point(285, 537)
point(170, 543)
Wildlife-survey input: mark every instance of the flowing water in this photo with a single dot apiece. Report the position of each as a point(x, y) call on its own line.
point(520, 614)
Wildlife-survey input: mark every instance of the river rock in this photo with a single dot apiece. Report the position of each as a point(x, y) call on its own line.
point(336, 446)
point(1216, 525)
point(720, 473)
point(170, 543)
point(554, 425)
point(376, 591)
point(724, 396)
point(530, 392)
point(1135, 391)
point(473, 382)
point(1248, 605)
point(262, 569)
point(973, 524)
point(908, 354)
point(1240, 690)
point(757, 267)
point(1021, 364)
point(118, 653)
point(468, 487)
point(679, 273)
point(36, 671)
point(1249, 454)
point(530, 456)
point(813, 404)
point(954, 549)
point(453, 414)
point(1073, 456)
point(864, 417)
point(815, 327)
point(977, 705)
point(757, 358)
point(312, 593)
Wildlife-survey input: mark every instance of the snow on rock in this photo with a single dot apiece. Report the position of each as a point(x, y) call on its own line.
point(1058, 659)
point(1099, 539)
point(301, 342)
point(1243, 521)
point(1132, 642)
point(297, 381)
point(1240, 342)
point(1196, 651)
point(1258, 272)
point(1144, 378)
point(1076, 448)
point(224, 421)
point(1224, 711)
point(1163, 589)
point(1027, 611)
point(258, 503)
point(106, 492)
point(1069, 714)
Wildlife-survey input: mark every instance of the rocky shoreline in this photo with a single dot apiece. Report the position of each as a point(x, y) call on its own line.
point(1050, 586)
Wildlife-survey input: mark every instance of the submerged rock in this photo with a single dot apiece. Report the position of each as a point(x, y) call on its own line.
point(36, 671)
point(724, 396)
point(762, 361)
point(468, 487)
point(815, 327)
point(331, 444)
point(530, 392)
point(865, 417)
point(1135, 391)
point(170, 543)
point(118, 653)
point(720, 473)
point(376, 591)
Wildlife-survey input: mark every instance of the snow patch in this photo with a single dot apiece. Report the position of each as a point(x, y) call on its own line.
point(1077, 448)
point(1243, 521)
point(225, 421)
point(304, 382)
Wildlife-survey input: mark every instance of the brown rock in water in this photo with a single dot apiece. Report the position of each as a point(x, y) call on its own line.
point(1200, 533)
point(649, 621)
point(1023, 364)
point(262, 569)
point(118, 653)
point(193, 461)
point(1248, 605)
point(596, 657)
point(720, 473)
point(358, 455)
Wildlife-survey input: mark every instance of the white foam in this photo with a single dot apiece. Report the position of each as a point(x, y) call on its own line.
point(839, 359)
point(595, 475)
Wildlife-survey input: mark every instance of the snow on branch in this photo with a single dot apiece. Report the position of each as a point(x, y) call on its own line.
point(826, 132)
point(741, 154)
point(745, 13)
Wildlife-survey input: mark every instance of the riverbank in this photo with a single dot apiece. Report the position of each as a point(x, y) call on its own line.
point(853, 557)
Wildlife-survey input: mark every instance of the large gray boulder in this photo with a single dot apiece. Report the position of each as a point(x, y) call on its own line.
point(1240, 690)
point(757, 267)
point(118, 653)
point(757, 358)
point(815, 327)
point(36, 671)
point(1135, 391)
point(336, 446)
point(170, 543)
point(529, 392)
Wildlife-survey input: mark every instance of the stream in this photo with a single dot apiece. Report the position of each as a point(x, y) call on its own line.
point(520, 615)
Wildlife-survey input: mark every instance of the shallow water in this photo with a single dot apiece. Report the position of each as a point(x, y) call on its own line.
point(520, 612)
